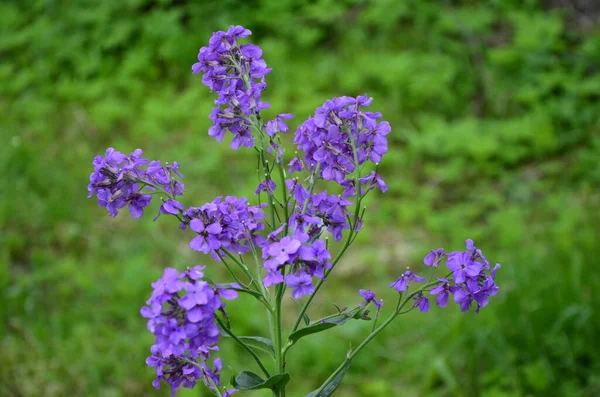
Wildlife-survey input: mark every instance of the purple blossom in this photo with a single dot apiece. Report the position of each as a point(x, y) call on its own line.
point(421, 302)
point(237, 74)
point(341, 136)
point(370, 297)
point(301, 284)
point(462, 266)
point(374, 180)
point(273, 127)
point(442, 291)
point(225, 223)
point(402, 283)
point(119, 180)
point(296, 165)
point(433, 258)
point(267, 186)
point(181, 315)
point(281, 250)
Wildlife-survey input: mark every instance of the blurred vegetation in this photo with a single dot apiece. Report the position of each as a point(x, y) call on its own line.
point(495, 113)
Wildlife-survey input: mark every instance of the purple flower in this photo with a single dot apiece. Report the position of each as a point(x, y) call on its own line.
point(181, 315)
point(433, 258)
point(225, 223)
point(402, 283)
point(464, 297)
point(282, 250)
point(462, 266)
point(119, 180)
point(208, 236)
point(237, 74)
point(266, 186)
point(295, 165)
point(374, 180)
point(476, 253)
point(341, 136)
point(370, 297)
point(273, 127)
point(421, 302)
point(300, 283)
point(442, 291)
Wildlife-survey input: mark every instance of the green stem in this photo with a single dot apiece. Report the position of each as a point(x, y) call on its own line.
point(244, 346)
point(373, 334)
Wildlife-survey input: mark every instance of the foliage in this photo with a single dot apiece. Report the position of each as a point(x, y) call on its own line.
point(494, 109)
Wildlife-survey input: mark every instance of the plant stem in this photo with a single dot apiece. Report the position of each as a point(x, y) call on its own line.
point(244, 346)
point(279, 358)
point(372, 335)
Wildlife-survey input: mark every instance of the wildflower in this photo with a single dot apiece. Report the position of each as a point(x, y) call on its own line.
point(301, 284)
point(433, 258)
point(442, 291)
point(341, 136)
point(421, 302)
point(181, 315)
point(402, 283)
point(118, 181)
point(370, 297)
point(374, 180)
point(237, 74)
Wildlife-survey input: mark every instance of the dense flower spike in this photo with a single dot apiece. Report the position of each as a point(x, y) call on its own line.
point(119, 180)
point(181, 315)
point(237, 74)
point(341, 136)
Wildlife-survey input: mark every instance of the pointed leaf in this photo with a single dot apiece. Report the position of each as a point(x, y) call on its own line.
point(260, 343)
point(247, 380)
point(325, 324)
point(331, 386)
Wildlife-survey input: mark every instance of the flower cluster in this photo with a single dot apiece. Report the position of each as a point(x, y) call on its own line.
point(340, 137)
point(181, 313)
point(119, 180)
point(315, 212)
point(237, 74)
point(473, 279)
point(470, 273)
point(229, 223)
point(305, 258)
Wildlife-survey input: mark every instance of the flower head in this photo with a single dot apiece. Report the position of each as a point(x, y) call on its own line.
point(181, 315)
point(236, 72)
point(119, 180)
point(342, 136)
point(402, 283)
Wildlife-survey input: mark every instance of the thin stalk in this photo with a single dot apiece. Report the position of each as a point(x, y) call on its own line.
point(244, 346)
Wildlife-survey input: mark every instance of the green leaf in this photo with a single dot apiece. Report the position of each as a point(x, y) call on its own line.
point(331, 386)
point(247, 380)
point(259, 343)
point(325, 324)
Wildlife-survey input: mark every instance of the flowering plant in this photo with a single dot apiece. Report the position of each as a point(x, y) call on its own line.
point(285, 234)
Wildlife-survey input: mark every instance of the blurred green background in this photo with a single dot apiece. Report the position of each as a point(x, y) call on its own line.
point(495, 113)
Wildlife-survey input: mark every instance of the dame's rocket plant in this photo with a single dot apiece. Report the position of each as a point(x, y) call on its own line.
point(284, 233)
